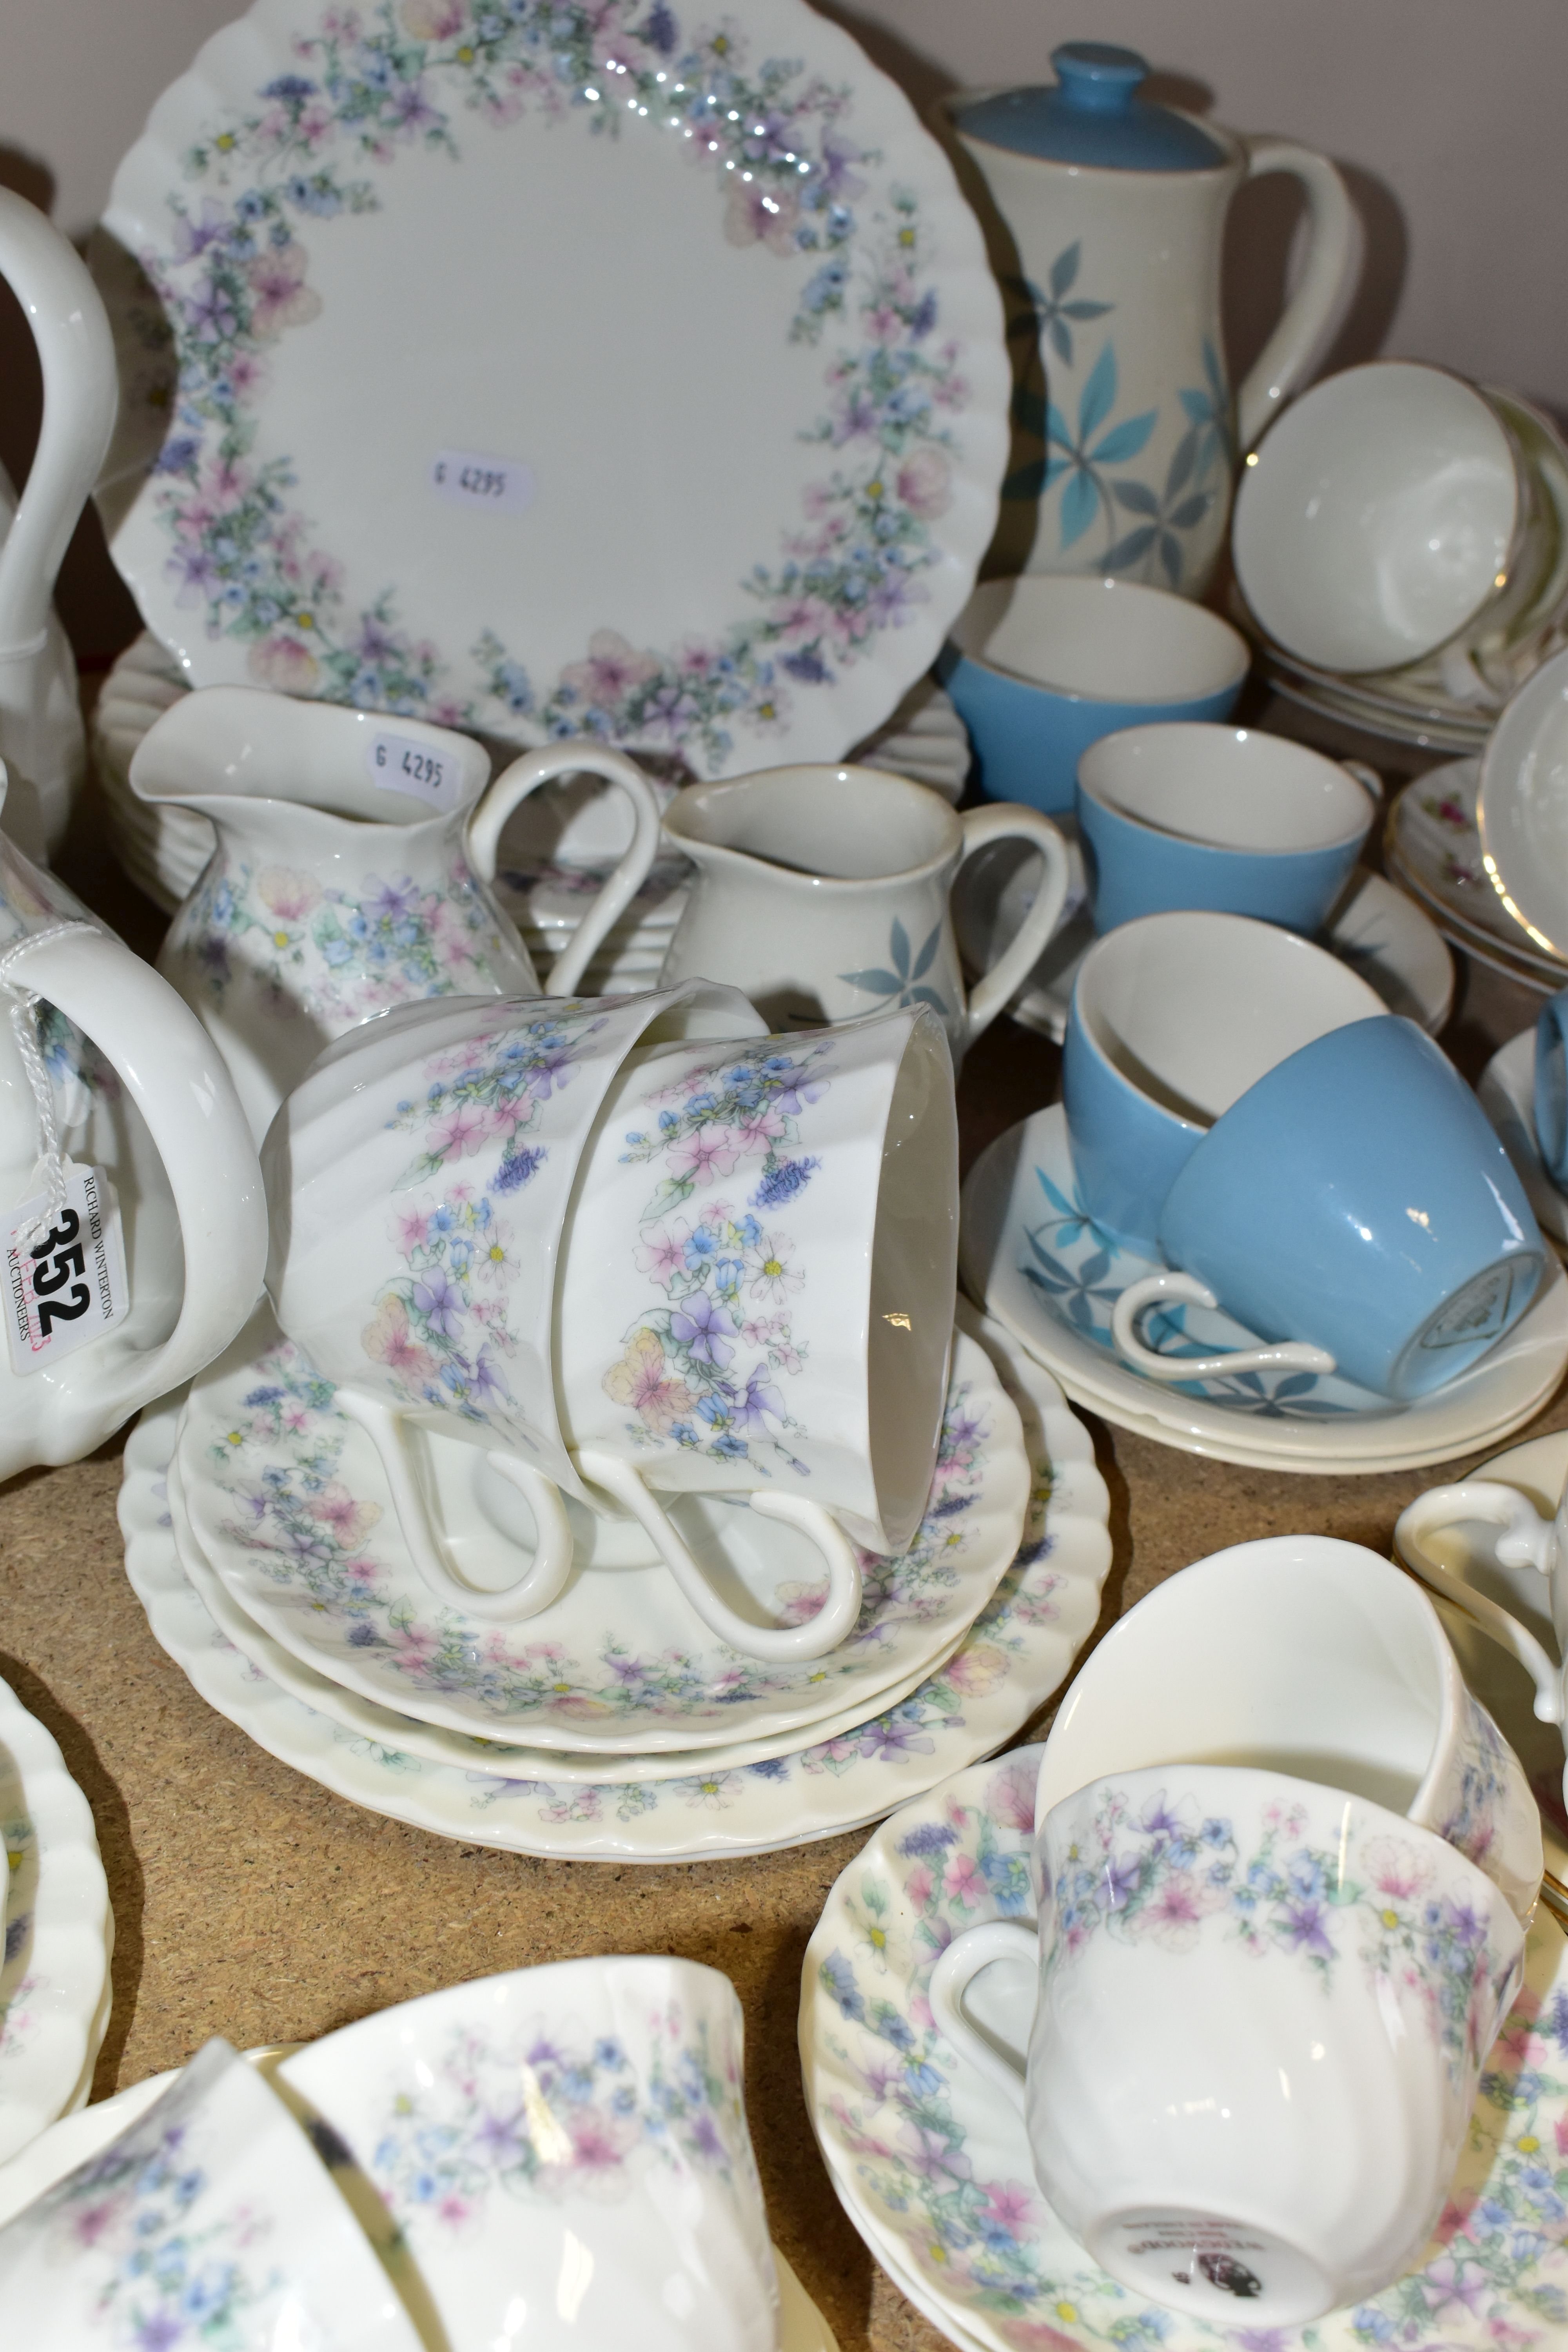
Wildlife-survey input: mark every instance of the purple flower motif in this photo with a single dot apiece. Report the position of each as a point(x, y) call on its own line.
point(391, 902)
point(700, 1324)
point(514, 1172)
point(210, 314)
point(440, 1302)
point(488, 1385)
point(1304, 1930)
point(1119, 1882)
point(757, 1398)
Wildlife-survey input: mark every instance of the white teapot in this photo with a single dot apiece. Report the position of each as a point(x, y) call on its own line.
point(1112, 218)
point(126, 1162)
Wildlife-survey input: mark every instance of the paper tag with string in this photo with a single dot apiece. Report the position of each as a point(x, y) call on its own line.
point(65, 1276)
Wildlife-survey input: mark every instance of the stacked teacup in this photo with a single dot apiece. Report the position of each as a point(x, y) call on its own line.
point(1285, 1863)
point(613, 1425)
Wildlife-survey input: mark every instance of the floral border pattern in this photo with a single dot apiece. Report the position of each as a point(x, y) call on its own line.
point(234, 276)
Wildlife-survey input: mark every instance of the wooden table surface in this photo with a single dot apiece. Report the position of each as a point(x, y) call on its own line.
point(251, 1903)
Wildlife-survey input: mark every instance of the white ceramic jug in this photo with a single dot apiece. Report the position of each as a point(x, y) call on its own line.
point(1112, 218)
point(41, 735)
point(351, 872)
point(99, 1061)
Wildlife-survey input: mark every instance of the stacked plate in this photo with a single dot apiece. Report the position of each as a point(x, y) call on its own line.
point(1432, 849)
point(554, 852)
point(1447, 701)
point(264, 1546)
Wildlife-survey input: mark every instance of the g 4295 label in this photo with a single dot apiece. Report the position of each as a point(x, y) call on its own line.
point(402, 763)
point(65, 1285)
point(469, 478)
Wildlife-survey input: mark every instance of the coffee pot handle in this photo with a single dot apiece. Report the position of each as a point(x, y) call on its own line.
point(955, 1971)
point(1287, 1356)
point(525, 776)
point(1314, 312)
point(176, 1078)
point(1012, 820)
point(832, 1623)
point(1528, 1541)
point(541, 1583)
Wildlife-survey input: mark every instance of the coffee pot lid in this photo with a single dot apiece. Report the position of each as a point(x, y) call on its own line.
point(1093, 114)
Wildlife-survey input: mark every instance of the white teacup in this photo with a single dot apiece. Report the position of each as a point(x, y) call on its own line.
point(729, 1268)
point(1264, 2007)
point(564, 2150)
point(1305, 1656)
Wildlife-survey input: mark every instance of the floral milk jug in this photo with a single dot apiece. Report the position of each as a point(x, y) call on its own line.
point(1112, 212)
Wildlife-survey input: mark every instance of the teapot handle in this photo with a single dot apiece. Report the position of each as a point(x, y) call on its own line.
point(525, 776)
point(175, 1077)
point(76, 350)
point(1314, 311)
point(1011, 821)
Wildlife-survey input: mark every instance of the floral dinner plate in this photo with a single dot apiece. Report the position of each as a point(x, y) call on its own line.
point(1031, 1252)
point(932, 2164)
point(700, 455)
point(1015, 1657)
point(287, 1499)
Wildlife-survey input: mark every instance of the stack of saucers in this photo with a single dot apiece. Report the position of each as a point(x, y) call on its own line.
point(1335, 518)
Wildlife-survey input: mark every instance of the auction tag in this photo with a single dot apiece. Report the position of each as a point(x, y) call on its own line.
point(468, 479)
point(399, 763)
point(67, 1286)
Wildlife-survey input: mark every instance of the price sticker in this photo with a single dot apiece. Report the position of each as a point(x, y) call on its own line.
point(400, 764)
point(66, 1285)
point(468, 479)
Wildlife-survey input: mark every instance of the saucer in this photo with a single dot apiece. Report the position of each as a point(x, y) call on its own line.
point(404, 1732)
point(1538, 1468)
point(1375, 928)
point(1012, 1659)
point(76, 2138)
point(1433, 845)
point(1030, 1252)
point(59, 1933)
point(734, 526)
point(932, 2164)
point(1507, 1093)
point(287, 1499)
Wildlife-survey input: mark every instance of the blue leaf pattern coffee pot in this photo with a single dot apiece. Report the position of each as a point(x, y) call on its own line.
point(1125, 437)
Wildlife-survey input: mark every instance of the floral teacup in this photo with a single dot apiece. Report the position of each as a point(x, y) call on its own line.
point(1264, 2007)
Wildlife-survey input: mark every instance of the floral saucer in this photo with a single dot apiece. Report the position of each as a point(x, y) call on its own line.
point(287, 1499)
point(59, 1933)
point(1030, 1252)
point(1014, 1658)
point(1507, 1093)
point(932, 2164)
point(385, 1729)
point(730, 499)
point(1433, 845)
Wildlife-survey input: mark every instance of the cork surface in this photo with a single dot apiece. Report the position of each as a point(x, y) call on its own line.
point(251, 1903)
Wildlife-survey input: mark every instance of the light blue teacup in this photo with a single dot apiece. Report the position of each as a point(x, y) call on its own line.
point(1172, 1018)
point(1551, 1088)
point(1355, 1209)
point(1041, 668)
point(1189, 815)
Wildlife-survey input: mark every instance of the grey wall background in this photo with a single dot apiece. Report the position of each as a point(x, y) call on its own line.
point(1449, 118)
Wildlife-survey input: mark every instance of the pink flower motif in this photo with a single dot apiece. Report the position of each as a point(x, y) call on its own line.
point(1010, 1799)
point(643, 1381)
point(284, 663)
point(1012, 2205)
point(288, 893)
point(1177, 1911)
point(411, 1229)
point(613, 670)
point(924, 482)
point(350, 1520)
point(387, 1340)
point(663, 1254)
point(432, 20)
point(457, 1135)
point(711, 1152)
point(282, 298)
point(1396, 1868)
point(976, 1670)
point(961, 1881)
point(918, 1886)
point(761, 213)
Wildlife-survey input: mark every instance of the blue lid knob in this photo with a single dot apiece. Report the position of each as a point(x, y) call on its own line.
point(1094, 75)
point(1093, 114)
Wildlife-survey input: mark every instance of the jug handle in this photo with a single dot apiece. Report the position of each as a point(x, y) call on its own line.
point(1012, 820)
point(1314, 312)
point(1525, 1542)
point(525, 776)
point(76, 350)
point(175, 1077)
point(832, 1623)
point(541, 1583)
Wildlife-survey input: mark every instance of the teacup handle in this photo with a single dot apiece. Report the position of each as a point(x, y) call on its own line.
point(955, 1971)
point(833, 1622)
point(1012, 820)
point(524, 776)
point(1527, 1543)
point(540, 1584)
point(1317, 307)
point(1287, 1356)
